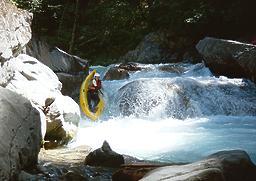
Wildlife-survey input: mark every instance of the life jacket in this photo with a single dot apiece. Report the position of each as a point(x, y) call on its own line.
point(96, 84)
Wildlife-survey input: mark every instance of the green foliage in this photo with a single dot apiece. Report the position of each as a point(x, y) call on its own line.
point(107, 29)
point(111, 28)
point(32, 6)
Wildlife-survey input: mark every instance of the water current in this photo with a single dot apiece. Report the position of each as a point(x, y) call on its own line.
point(174, 113)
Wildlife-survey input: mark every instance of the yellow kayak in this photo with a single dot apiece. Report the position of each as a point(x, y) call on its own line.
point(84, 102)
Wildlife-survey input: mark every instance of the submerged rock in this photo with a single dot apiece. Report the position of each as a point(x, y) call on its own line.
point(121, 71)
point(140, 97)
point(115, 73)
point(15, 29)
point(182, 98)
point(20, 134)
point(104, 157)
point(234, 165)
point(130, 66)
point(172, 68)
point(229, 58)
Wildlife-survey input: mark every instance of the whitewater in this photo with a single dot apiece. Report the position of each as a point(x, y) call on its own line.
point(173, 113)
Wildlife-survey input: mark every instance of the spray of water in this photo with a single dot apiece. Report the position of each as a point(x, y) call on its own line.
point(179, 115)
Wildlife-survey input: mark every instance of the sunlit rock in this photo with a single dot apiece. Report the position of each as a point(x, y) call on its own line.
point(62, 116)
point(53, 57)
point(27, 76)
point(20, 134)
point(15, 31)
point(229, 58)
point(232, 165)
point(70, 69)
point(37, 82)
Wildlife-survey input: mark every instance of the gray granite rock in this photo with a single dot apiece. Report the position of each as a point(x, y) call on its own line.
point(229, 58)
point(15, 31)
point(20, 133)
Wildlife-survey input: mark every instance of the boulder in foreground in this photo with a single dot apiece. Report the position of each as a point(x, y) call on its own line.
point(104, 157)
point(234, 165)
point(20, 133)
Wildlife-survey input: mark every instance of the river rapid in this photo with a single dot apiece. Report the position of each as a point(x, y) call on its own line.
point(173, 113)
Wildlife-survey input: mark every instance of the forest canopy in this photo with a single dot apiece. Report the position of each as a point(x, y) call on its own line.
point(107, 29)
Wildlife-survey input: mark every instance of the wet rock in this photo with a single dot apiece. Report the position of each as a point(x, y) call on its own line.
point(130, 66)
point(104, 157)
point(20, 134)
point(15, 29)
point(73, 176)
point(115, 73)
point(135, 171)
point(140, 97)
point(185, 99)
point(229, 58)
point(172, 68)
point(234, 165)
point(121, 71)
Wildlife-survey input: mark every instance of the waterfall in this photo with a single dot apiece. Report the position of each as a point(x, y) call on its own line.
point(174, 112)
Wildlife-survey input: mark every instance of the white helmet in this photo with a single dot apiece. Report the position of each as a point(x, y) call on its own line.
point(96, 75)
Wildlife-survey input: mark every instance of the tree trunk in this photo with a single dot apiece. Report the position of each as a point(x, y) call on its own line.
point(60, 28)
point(73, 36)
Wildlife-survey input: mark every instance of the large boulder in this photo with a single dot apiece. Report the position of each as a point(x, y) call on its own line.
point(140, 97)
point(229, 58)
point(234, 165)
point(71, 84)
point(15, 31)
point(152, 49)
point(53, 57)
point(37, 82)
point(20, 134)
point(70, 69)
point(62, 115)
point(27, 76)
point(163, 47)
point(184, 97)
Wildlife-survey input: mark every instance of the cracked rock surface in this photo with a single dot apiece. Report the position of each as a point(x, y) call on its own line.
point(15, 31)
point(20, 132)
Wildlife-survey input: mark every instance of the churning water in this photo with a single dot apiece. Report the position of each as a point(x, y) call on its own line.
point(174, 113)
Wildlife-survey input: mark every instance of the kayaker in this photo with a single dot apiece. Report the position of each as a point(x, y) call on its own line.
point(93, 93)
